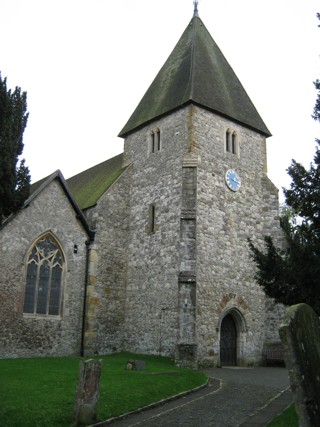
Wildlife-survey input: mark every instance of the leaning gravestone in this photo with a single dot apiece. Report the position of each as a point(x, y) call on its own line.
point(300, 335)
point(88, 392)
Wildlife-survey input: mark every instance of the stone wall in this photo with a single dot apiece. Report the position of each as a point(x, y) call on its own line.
point(193, 266)
point(153, 256)
point(275, 314)
point(225, 219)
point(108, 269)
point(36, 335)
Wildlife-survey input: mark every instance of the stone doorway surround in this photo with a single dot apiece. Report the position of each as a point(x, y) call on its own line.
point(232, 316)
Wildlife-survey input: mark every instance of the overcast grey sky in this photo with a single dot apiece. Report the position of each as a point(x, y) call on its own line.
point(85, 65)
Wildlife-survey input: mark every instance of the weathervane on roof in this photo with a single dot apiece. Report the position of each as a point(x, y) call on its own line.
point(195, 11)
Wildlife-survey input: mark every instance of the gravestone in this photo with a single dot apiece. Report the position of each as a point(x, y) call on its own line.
point(136, 365)
point(88, 392)
point(300, 335)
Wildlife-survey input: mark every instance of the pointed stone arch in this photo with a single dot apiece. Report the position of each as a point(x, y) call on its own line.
point(232, 330)
point(237, 316)
point(50, 234)
point(45, 266)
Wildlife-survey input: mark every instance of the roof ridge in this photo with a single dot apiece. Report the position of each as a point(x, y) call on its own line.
point(191, 72)
point(43, 184)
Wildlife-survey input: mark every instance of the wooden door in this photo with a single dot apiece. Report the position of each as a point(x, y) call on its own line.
point(228, 342)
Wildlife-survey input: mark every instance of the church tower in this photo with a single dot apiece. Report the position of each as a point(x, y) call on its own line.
point(196, 147)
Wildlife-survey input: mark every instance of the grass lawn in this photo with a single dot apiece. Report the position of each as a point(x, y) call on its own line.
point(40, 392)
point(288, 418)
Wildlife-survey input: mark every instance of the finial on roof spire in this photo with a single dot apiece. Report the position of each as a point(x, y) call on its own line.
point(195, 11)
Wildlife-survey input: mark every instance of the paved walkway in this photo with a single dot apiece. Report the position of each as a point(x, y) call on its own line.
point(236, 397)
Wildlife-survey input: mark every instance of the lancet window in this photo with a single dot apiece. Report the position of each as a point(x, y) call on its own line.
point(155, 141)
point(231, 142)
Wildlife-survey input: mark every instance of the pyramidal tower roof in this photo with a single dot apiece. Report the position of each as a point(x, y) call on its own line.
point(196, 72)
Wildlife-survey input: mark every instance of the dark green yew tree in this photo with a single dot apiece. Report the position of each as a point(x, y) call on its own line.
point(292, 275)
point(14, 175)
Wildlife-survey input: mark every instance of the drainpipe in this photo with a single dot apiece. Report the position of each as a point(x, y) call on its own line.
point(84, 312)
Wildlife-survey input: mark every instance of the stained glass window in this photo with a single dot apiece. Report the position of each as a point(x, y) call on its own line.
point(44, 278)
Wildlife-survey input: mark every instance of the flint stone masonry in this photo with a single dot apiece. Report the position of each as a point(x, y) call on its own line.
point(300, 335)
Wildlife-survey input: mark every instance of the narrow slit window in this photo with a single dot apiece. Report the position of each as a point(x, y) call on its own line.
point(228, 140)
point(234, 143)
point(151, 223)
point(153, 219)
point(158, 140)
point(152, 142)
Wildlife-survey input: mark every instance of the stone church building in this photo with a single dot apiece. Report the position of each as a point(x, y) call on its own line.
point(147, 252)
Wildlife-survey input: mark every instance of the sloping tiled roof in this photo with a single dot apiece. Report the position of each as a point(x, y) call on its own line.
point(36, 185)
point(196, 71)
point(87, 187)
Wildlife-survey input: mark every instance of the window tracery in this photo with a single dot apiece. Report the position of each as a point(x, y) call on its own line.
point(45, 267)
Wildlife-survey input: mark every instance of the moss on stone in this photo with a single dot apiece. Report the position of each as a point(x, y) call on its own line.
point(87, 187)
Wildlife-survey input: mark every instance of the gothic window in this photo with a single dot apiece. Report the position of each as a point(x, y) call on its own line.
point(44, 278)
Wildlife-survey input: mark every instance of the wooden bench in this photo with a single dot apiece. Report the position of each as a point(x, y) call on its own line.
point(274, 356)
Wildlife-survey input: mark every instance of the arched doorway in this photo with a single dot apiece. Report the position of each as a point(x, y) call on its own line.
point(228, 341)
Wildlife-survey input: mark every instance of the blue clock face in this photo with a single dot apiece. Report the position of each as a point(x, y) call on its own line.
point(233, 180)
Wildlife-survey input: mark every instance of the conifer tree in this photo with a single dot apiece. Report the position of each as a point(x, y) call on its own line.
point(14, 174)
point(292, 275)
